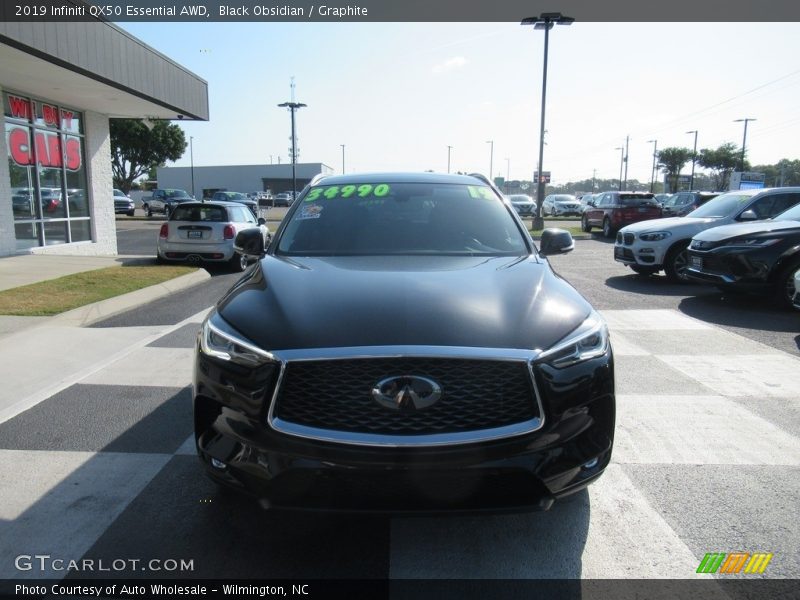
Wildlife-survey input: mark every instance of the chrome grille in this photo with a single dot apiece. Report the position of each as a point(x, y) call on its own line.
point(336, 395)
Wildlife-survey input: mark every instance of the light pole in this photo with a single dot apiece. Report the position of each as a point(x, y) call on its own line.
point(191, 160)
point(744, 140)
point(293, 106)
point(508, 172)
point(342, 145)
point(544, 21)
point(694, 159)
point(625, 184)
point(653, 171)
point(621, 158)
point(448, 158)
point(491, 158)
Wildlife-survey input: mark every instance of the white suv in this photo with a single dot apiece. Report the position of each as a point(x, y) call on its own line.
point(650, 246)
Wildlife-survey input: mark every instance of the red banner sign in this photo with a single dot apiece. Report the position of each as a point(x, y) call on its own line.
point(48, 149)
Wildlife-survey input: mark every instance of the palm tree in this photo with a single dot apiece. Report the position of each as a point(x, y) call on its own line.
point(671, 161)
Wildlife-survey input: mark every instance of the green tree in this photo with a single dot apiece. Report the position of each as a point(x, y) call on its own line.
point(671, 161)
point(136, 149)
point(784, 172)
point(721, 162)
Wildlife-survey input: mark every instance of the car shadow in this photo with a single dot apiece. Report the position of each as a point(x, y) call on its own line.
point(655, 285)
point(748, 311)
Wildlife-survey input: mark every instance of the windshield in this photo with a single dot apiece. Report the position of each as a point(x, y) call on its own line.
point(564, 198)
point(725, 205)
point(520, 198)
point(401, 218)
point(177, 194)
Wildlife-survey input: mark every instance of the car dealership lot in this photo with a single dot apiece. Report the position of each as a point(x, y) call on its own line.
point(706, 458)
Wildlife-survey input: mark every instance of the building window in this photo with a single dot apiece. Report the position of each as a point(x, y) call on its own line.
point(46, 163)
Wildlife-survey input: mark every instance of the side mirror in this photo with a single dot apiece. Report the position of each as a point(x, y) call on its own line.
point(748, 215)
point(556, 241)
point(262, 221)
point(249, 242)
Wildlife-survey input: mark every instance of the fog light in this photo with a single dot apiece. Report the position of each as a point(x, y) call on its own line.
point(589, 465)
point(218, 464)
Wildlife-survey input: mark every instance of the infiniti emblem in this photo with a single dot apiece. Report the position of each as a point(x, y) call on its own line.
point(406, 392)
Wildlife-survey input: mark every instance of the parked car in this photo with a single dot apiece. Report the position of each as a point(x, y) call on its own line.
point(561, 205)
point(356, 369)
point(205, 231)
point(283, 199)
point(123, 204)
point(237, 197)
point(682, 203)
point(523, 204)
point(164, 201)
point(22, 203)
point(651, 246)
point(613, 210)
point(51, 202)
point(760, 256)
point(662, 198)
point(587, 200)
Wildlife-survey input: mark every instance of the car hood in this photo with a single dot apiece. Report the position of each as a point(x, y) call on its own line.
point(504, 302)
point(729, 231)
point(678, 226)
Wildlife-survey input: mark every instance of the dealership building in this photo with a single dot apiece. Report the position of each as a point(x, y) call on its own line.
point(204, 181)
point(60, 84)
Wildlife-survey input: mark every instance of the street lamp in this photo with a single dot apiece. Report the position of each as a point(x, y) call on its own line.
point(621, 160)
point(342, 145)
point(744, 139)
point(544, 21)
point(491, 158)
point(508, 172)
point(653, 171)
point(448, 158)
point(293, 106)
point(191, 160)
point(694, 159)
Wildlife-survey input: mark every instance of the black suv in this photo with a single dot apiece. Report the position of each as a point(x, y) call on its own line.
point(396, 349)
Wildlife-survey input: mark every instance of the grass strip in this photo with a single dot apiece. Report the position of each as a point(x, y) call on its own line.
point(65, 293)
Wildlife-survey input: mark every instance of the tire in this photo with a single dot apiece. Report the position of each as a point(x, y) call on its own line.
point(585, 224)
point(147, 210)
point(643, 271)
point(238, 263)
point(130, 213)
point(676, 262)
point(607, 230)
point(785, 288)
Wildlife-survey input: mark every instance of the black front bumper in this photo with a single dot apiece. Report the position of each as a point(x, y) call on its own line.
point(526, 472)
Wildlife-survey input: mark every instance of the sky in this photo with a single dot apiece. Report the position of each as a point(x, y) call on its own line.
point(398, 94)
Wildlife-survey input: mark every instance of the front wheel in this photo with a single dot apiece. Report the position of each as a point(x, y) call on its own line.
point(786, 288)
point(238, 263)
point(147, 210)
point(677, 263)
point(607, 230)
point(585, 225)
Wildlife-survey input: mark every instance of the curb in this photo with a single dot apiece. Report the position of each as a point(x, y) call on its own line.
point(97, 311)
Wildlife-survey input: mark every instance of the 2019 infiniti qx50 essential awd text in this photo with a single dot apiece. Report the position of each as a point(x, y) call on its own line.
point(401, 345)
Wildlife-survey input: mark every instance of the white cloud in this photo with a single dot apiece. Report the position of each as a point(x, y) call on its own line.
point(450, 64)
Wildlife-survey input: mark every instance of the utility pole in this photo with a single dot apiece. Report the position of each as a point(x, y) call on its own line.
point(694, 159)
point(625, 184)
point(448, 158)
point(653, 172)
point(293, 107)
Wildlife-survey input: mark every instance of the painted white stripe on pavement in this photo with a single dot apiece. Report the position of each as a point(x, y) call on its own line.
point(760, 375)
point(187, 448)
point(650, 319)
point(149, 366)
point(623, 346)
point(60, 503)
point(624, 538)
point(698, 430)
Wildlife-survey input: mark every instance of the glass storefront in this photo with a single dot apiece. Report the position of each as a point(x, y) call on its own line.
point(46, 164)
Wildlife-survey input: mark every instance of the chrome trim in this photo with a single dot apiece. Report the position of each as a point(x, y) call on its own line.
point(415, 441)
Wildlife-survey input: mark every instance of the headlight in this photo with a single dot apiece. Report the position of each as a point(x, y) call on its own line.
point(655, 236)
point(589, 340)
point(219, 340)
point(754, 242)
